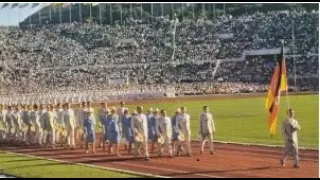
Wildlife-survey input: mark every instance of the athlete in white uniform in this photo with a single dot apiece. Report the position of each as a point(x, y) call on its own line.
point(184, 127)
point(164, 130)
point(139, 126)
point(69, 120)
point(206, 129)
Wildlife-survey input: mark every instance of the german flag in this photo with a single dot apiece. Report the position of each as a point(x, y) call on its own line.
point(277, 84)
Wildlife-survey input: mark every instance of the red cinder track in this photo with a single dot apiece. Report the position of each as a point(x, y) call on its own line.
point(230, 161)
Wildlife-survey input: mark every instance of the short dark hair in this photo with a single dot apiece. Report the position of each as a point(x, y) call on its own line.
point(290, 111)
point(162, 111)
point(204, 107)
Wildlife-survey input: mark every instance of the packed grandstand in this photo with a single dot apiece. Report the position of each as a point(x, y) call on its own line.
point(199, 53)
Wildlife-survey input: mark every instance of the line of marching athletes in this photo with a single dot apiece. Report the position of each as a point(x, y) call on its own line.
point(43, 125)
point(170, 133)
point(46, 125)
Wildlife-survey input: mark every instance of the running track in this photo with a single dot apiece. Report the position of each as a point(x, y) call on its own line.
point(231, 160)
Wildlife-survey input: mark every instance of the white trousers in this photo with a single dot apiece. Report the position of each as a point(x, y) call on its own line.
point(168, 146)
point(144, 145)
point(57, 135)
point(51, 136)
point(205, 137)
point(70, 137)
point(187, 143)
point(291, 148)
point(44, 136)
point(3, 135)
point(19, 134)
point(38, 135)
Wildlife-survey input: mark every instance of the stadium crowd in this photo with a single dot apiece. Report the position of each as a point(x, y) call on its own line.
point(70, 57)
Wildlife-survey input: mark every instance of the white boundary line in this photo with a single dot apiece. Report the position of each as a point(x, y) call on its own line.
point(92, 166)
point(170, 170)
point(157, 168)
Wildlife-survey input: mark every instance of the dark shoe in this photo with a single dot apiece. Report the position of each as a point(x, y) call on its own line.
point(178, 153)
point(147, 159)
point(296, 166)
point(282, 163)
point(212, 153)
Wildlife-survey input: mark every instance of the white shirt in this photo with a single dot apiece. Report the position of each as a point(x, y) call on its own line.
point(206, 123)
point(121, 111)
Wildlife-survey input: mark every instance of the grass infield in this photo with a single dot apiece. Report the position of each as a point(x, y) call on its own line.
point(27, 167)
point(244, 120)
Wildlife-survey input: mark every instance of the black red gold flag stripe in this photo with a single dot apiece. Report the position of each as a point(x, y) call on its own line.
point(278, 83)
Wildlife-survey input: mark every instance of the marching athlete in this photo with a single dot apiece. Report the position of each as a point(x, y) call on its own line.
point(164, 132)
point(139, 126)
point(290, 128)
point(88, 126)
point(69, 120)
point(126, 129)
point(184, 130)
point(206, 129)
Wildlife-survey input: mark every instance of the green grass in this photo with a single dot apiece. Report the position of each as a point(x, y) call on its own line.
point(26, 167)
point(245, 120)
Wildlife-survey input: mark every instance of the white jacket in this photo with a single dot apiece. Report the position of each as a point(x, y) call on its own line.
point(9, 118)
point(69, 119)
point(139, 124)
point(59, 115)
point(3, 117)
point(43, 115)
point(164, 127)
point(80, 115)
point(183, 124)
point(38, 118)
point(33, 117)
point(17, 119)
point(206, 123)
point(290, 129)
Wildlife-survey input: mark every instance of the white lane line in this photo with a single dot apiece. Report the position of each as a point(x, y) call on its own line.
point(166, 169)
point(93, 166)
point(150, 167)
